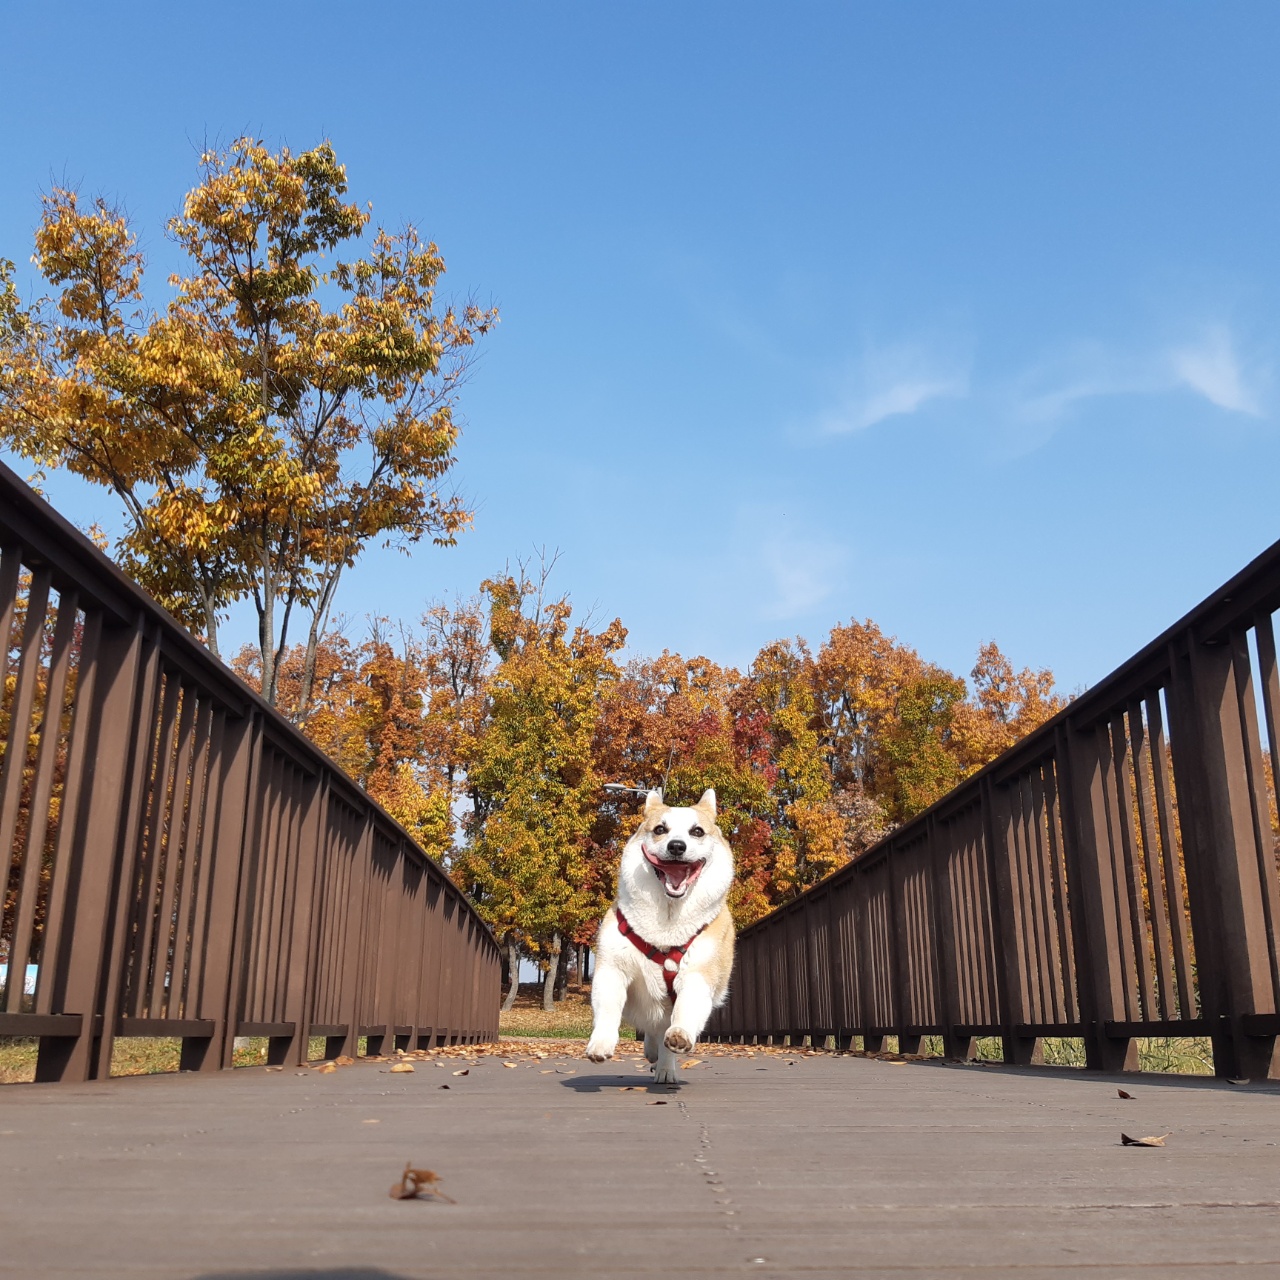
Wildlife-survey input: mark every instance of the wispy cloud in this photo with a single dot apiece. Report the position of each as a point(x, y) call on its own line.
point(892, 381)
point(797, 573)
point(1213, 367)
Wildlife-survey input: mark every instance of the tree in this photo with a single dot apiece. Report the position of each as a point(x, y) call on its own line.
point(274, 418)
point(531, 778)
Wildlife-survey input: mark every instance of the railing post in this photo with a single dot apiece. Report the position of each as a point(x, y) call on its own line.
point(300, 979)
point(112, 696)
point(1011, 978)
point(944, 925)
point(1102, 995)
point(232, 767)
point(1217, 714)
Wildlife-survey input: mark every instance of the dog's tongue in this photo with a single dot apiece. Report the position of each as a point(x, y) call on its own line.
point(676, 873)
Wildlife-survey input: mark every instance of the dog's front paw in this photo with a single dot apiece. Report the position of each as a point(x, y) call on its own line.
point(678, 1040)
point(666, 1073)
point(600, 1050)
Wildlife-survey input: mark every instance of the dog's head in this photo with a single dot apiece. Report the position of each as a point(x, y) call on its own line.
point(680, 851)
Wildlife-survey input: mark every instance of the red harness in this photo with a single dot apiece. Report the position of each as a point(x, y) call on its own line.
point(669, 959)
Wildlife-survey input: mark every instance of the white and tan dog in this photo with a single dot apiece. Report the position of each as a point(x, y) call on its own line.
point(665, 949)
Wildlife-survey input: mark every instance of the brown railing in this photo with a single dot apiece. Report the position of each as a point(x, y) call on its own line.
point(1112, 876)
point(181, 860)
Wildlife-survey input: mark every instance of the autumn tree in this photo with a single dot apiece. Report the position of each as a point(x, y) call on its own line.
point(531, 776)
point(292, 401)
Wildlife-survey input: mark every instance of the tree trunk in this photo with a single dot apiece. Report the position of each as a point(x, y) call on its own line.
point(549, 982)
point(586, 966)
point(513, 960)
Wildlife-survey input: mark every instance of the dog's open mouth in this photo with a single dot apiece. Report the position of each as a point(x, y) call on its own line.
point(677, 877)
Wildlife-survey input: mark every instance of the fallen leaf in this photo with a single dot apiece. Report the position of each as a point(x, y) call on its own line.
point(344, 1061)
point(444, 1086)
point(1121, 1093)
point(512, 1065)
point(370, 1121)
point(550, 1071)
point(631, 1088)
point(400, 1067)
point(417, 1182)
point(691, 1062)
point(1144, 1142)
point(326, 1067)
point(466, 1071)
point(658, 1102)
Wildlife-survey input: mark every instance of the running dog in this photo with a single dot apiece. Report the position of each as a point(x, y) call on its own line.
point(665, 949)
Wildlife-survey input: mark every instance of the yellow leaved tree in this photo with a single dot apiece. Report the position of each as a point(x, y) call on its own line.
point(288, 405)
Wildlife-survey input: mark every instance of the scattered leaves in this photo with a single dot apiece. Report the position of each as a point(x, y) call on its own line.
point(1157, 1141)
point(418, 1182)
point(344, 1061)
point(398, 1067)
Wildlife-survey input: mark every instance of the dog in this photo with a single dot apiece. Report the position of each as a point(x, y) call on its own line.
point(664, 952)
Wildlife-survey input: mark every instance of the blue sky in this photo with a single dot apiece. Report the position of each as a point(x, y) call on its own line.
point(958, 316)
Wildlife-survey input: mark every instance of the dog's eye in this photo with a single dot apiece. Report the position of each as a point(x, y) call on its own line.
point(697, 832)
point(660, 829)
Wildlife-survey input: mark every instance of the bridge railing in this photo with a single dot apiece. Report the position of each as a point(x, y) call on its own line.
point(1112, 876)
point(181, 860)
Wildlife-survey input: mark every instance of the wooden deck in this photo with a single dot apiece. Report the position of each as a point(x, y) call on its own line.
point(771, 1165)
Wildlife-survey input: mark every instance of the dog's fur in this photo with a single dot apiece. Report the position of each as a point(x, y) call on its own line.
point(666, 903)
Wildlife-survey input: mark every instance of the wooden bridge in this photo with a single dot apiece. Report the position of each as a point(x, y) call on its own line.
point(182, 862)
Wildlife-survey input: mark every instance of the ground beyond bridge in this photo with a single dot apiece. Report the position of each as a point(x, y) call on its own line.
point(765, 1163)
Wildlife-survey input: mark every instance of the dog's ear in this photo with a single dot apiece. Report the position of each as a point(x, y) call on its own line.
point(652, 802)
point(708, 802)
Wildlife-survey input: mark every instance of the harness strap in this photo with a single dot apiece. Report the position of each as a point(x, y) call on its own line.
point(670, 959)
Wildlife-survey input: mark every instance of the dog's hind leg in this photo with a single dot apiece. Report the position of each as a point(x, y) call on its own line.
point(652, 1040)
point(608, 995)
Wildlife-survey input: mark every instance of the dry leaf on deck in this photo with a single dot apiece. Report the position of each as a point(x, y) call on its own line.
point(658, 1102)
point(418, 1182)
point(325, 1067)
point(692, 1062)
point(1157, 1141)
point(466, 1071)
point(402, 1066)
point(444, 1086)
point(631, 1088)
point(1121, 1093)
point(512, 1065)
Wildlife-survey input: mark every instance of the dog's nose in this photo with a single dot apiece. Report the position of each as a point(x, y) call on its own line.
point(677, 847)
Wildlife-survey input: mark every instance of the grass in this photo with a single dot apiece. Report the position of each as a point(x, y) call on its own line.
point(136, 1056)
point(569, 1020)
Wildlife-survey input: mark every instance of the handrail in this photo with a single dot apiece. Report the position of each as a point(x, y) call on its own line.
point(1111, 876)
point(182, 860)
